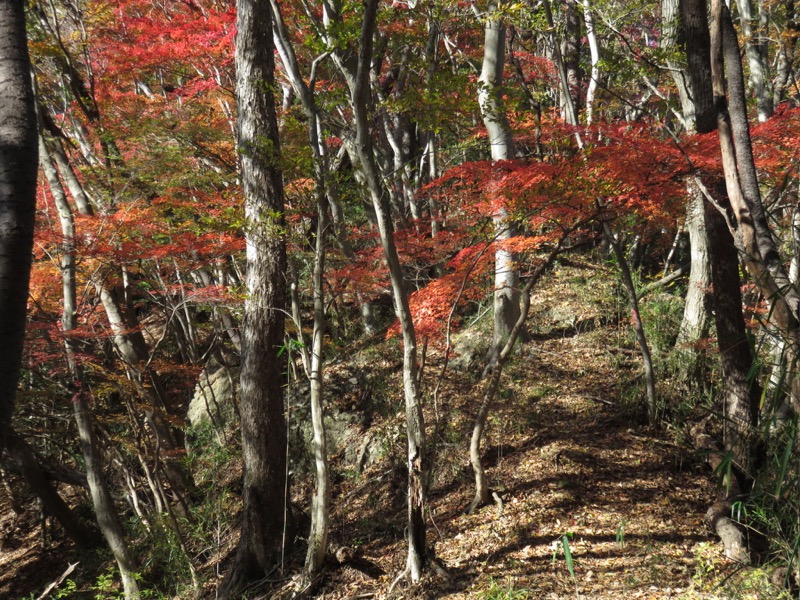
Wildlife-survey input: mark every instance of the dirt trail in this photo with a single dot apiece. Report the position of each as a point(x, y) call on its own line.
point(567, 461)
point(629, 501)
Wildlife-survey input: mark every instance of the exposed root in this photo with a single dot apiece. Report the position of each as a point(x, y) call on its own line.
point(480, 501)
point(732, 537)
point(403, 574)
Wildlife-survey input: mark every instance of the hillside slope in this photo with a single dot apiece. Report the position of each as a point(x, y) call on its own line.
point(566, 454)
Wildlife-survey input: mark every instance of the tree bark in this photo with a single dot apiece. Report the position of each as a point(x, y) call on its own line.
point(754, 236)
point(18, 171)
point(355, 66)
point(263, 422)
point(694, 17)
point(318, 534)
point(742, 392)
point(697, 308)
point(694, 326)
point(571, 51)
point(755, 45)
point(506, 276)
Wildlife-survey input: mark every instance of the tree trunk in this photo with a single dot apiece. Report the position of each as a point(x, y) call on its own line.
point(742, 392)
point(786, 51)
point(570, 108)
point(697, 308)
point(356, 71)
point(18, 171)
point(103, 504)
point(318, 534)
point(671, 35)
point(694, 17)
point(756, 240)
point(482, 494)
point(506, 277)
point(627, 279)
point(594, 53)
point(39, 483)
point(571, 51)
point(263, 422)
point(755, 45)
point(694, 326)
point(101, 497)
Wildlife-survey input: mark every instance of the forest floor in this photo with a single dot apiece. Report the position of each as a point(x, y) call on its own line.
point(572, 463)
point(568, 456)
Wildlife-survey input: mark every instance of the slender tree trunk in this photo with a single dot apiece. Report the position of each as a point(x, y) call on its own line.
point(786, 52)
point(594, 54)
point(82, 202)
point(627, 279)
point(318, 534)
point(482, 492)
point(101, 497)
point(755, 45)
point(506, 277)
point(356, 71)
point(264, 435)
point(570, 109)
point(103, 504)
point(18, 170)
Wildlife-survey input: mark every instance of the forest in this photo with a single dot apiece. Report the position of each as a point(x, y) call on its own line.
point(414, 299)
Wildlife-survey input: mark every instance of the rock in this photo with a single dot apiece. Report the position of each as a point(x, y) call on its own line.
point(348, 413)
point(213, 399)
point(470, 348)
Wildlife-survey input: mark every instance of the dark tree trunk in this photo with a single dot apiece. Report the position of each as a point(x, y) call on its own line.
point(263, 423)
point(742, 392)
point(571, 50)
point(40, 484)
point(18, 170)
point(694, 16)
